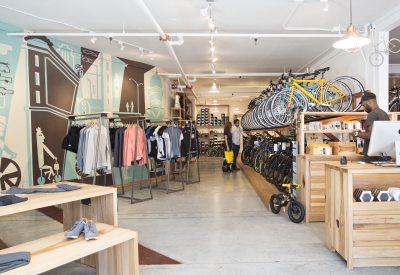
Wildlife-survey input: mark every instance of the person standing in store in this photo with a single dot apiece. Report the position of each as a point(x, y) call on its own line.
point(368, 101)
point(236, 132)
point(228, 139)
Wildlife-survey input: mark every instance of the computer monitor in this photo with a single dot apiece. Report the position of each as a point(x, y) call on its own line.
point(383, 137)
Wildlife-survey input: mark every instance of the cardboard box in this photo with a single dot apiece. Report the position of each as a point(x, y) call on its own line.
point(318, 150)
point(343, 148)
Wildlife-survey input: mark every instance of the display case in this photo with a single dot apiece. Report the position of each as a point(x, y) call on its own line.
point(363, 233)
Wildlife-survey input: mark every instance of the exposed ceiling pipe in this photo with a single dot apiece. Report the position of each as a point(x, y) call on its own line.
point(297, 3)
point(227, 75)
point(181, 35)
point(72, 26)
point(164, 38)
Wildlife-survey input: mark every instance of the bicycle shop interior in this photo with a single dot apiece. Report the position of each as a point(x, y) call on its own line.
point(127, 102)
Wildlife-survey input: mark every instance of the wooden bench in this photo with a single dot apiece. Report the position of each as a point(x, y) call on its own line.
point(115, 251)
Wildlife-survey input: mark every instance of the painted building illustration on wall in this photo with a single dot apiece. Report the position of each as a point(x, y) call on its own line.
point(42, 82)
point(154, 96)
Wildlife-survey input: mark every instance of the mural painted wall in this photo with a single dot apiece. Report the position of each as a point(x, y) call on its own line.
point(44, 80)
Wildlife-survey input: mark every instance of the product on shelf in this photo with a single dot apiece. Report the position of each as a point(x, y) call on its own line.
point(363, 195)
point(318, 149)
point(395, 193)
point(381, 195)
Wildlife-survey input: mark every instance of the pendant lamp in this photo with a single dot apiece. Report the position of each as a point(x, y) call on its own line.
point(214, 88)
point(351, 41)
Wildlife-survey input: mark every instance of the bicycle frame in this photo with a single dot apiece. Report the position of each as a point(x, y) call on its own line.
point(321, 82)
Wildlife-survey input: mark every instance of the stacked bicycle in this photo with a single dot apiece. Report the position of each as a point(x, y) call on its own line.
point(271, 157)
point(275, 106)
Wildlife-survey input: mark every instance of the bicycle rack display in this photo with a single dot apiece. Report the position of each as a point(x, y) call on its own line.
point(277, 104)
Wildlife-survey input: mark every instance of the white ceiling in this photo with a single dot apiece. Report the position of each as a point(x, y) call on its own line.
point(236, 55)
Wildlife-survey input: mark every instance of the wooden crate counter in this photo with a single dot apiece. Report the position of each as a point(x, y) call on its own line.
point(363, 233)
point(312, 179)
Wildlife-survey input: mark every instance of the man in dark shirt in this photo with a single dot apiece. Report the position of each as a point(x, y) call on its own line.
point(368, 101)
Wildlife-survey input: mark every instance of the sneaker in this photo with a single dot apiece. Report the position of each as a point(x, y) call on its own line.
point(76, 229)
point(91, 231)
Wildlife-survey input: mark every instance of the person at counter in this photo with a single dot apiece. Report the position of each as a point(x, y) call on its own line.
point(368, 101)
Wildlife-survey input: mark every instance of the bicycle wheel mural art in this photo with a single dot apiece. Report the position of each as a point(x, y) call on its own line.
point(11, 173)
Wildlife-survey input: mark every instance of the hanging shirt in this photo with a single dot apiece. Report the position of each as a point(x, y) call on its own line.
point(119, 147)
point(189, 142)
point(134, 138)
point(172, 137)
point(96, 147)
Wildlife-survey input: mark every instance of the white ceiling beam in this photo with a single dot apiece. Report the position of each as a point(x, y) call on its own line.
point(216, 35)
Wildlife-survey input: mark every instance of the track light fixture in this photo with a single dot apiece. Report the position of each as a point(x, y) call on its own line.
point(122, 45)
point(326, 8)
point(213, 71)
point(152, 56)
point(214, 59)
point(93, 39)
point(212, 48)
point(141, 52)
point(211, 24)
point(204, 11)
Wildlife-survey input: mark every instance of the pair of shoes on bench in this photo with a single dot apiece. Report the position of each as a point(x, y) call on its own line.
point(88, 228)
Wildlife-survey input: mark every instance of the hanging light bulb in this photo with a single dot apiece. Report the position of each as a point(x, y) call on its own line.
point(211, 24)
point(93, 39)
point(214, 88)
point(351, 41)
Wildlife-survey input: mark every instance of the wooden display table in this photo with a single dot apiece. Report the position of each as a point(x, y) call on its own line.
point(113, 250)
point(102, 209)
point(363, 233)
point(312, 179)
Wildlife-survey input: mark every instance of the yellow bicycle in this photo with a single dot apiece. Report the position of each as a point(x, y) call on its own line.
point(321, 95)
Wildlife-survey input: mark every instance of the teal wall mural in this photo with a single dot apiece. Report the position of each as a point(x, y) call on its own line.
point(42, 82)
point(155, 96)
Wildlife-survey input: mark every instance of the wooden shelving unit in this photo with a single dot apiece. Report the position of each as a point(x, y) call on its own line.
point(312, 168)
point(185, 111)
point(223, 109)
point(363, 233)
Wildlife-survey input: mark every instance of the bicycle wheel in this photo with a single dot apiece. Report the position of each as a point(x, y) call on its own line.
point(274, 204)
point(376, 59)
point(349, 86)
point(394, 45)
point(395, 106)
point(296, 212)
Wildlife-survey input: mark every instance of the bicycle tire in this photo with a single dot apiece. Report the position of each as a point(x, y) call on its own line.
point(274, 204)
point(296, 212)
point(352, 86)
point(376, 59)
point(395, 106)
point(396, 45)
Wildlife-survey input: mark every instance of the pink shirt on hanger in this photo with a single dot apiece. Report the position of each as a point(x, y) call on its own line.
point(130, 141)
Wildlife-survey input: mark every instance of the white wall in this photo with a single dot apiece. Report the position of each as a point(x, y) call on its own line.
point(354, 64)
